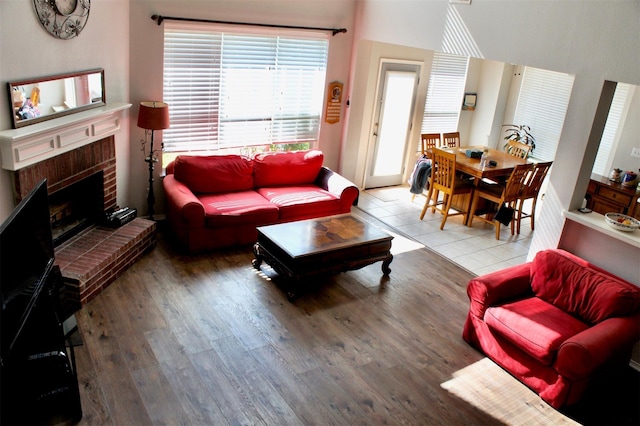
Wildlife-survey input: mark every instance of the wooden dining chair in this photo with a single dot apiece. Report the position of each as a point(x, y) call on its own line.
point(451, 140)
point(443, 179)
point(429, 141)
point(531, 191)
point(505, 196)
point(517, 149)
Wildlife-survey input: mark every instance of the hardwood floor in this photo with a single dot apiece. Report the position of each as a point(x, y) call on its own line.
point(209, 340)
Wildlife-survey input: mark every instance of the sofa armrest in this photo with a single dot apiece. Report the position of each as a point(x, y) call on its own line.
point(338, 185)
point(182, 204)
point(608, 341)
point(500, 286)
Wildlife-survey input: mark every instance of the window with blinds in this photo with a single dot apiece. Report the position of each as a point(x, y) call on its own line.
point(610, 136)
point(542, 105)
point(445, 93)
point(228, 88)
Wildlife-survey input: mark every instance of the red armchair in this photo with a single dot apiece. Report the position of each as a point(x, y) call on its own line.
point(554, 323)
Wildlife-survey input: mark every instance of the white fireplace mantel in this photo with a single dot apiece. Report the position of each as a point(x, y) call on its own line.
point(31, 144)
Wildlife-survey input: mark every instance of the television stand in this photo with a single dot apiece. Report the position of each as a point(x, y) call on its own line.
point(39, 377)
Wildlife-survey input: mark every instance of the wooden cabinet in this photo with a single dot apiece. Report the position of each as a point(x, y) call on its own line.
point(604, 196)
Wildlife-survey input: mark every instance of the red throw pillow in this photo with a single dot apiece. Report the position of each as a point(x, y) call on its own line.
point(214, 174)
point(286, 168)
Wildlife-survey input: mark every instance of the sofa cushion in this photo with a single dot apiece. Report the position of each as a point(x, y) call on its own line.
point(214, 174)
point(286, 168)
point(576, 287)
point(302, 201)
point(535, 326)
point(237, 208)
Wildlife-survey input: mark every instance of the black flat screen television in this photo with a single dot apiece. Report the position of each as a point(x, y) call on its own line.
point(26, 259)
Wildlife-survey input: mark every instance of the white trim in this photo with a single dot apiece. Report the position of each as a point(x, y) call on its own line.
point(31, 144)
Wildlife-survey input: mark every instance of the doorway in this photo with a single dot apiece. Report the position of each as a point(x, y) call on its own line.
point(391, 132)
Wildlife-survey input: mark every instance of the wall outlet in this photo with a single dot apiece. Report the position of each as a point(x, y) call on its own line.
point(635, 152)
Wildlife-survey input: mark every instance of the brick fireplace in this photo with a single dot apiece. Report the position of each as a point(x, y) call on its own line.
point(96, 255)
point(71, 167)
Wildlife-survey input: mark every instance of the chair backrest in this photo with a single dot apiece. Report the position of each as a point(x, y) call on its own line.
point(535, 179)
point(515, 184)
point(429, 141)
point(451, 140)
point(517, 149)
point(444, 171)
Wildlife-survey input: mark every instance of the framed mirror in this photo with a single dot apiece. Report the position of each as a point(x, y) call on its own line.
point(44, 98)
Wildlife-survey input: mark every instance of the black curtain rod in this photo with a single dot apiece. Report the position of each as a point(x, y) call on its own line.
point(160, 18)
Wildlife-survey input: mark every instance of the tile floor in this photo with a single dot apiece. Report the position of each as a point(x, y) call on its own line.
point(473, 248)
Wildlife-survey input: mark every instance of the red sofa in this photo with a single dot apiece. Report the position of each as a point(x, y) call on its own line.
point(554, 323)
point(218, 201)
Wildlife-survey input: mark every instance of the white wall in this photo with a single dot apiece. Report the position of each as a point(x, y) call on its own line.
point(120, 36)
point(27, 50)
point(359, 146)
point(491, 82)
point(562, 35)
point(565, 36)
point(629, 137)
point(146, 60)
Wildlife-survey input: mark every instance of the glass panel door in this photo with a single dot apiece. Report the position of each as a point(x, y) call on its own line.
point(392, 128)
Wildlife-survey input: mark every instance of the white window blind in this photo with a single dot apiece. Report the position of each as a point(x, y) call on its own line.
point(445, 93)
point(542, 105)
point(231, 89)
point(608, 139)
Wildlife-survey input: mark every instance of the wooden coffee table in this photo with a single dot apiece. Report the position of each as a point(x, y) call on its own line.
point(327, 245)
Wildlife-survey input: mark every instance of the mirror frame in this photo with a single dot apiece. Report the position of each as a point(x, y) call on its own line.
point(17, 123)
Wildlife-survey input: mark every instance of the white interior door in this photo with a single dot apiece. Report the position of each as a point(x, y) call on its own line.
point(391, 131)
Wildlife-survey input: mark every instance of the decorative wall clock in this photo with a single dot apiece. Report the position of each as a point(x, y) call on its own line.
point(63, 19)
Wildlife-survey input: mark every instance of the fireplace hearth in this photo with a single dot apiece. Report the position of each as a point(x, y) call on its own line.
point(64, 151)
point(82, 185)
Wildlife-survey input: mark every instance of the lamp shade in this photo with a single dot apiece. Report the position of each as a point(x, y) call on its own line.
point(153, 115)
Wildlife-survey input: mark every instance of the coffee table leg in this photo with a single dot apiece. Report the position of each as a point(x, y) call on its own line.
point(385, 264)
point(258, 257)
point(290, 292)
point(290, 283)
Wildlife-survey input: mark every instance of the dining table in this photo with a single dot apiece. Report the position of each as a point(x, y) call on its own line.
point(505, 163)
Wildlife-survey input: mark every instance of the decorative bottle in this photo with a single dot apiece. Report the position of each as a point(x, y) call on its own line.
point(484, 159)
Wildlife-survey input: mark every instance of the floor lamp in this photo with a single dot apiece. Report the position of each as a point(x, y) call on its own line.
point(152, 116)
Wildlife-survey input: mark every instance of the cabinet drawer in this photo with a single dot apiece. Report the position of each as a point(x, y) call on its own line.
point(604, 206)
point(614, 196)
